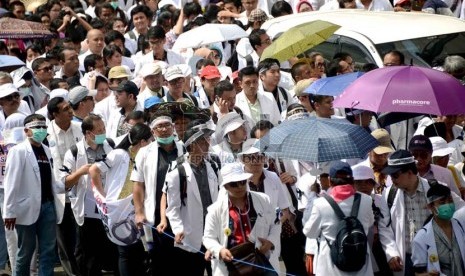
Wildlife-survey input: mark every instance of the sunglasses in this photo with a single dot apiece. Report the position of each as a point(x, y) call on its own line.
point(237, 183)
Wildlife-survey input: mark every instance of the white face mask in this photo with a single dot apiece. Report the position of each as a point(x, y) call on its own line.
point(56, 68)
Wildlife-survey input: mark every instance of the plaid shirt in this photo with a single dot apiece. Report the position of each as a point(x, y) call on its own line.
point(416, 213)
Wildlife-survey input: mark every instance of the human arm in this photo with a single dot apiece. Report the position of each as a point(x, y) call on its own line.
point(138, 197)
point(81, 21)
point(95, 176)
point(161, 227)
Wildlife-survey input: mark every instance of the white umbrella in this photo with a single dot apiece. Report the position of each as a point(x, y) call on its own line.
point(208, 34)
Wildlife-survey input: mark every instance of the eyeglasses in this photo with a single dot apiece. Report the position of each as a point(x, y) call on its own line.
point(176, 81)
point(11, 97)
point(46, 68)
point(320, 64)
point(237, 183)
point(163, 127)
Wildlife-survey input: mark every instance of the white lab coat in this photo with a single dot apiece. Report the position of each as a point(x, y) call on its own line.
point(217, 220)
point(291, 98)
point(268, 107)
point(81, 195)
point(397, 218)
point(424, 246)
point(115, 117)
point(323, 223)
point(145, 162)
point(189, 218)
point(23, 185)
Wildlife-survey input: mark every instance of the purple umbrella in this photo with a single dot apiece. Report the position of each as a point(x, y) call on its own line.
point(405, 89)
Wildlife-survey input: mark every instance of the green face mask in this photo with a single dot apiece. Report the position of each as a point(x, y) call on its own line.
point(114, 5)
point(39, 134)
point(100, 138)
point(446, 211)
point(165, 141)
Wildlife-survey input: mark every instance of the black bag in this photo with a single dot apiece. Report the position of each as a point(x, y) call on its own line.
point(246, 252)
point(349, 250)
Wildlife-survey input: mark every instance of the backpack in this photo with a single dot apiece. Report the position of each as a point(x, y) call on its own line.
point(349, 250)
point(233, 61)
point(74, 149)
point(214, 161)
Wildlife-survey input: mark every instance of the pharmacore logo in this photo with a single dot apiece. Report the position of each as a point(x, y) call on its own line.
point(410, 102)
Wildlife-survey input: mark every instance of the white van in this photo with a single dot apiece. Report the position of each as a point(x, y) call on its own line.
point(425, 39)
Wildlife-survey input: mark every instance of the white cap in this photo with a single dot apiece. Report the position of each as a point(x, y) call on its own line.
point(59, 92)
point(233, 172)
point(362, 172)
point(226, 124)
point(440, 147)
point(7, 89)
point(249, 147)
point(150, 69)
point(173, 72)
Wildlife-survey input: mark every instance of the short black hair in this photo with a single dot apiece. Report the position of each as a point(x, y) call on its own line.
point(33, 117)
point(52, 106)
point(55, 83)
point(156, 32)
point(396, 53)
point(260, 125)
point(254, 38)
point(281, 8)
point(90, 61)
point(223, 86)
point(88, 122)
point(247, 71)
point(112, 35)
point(143, 9)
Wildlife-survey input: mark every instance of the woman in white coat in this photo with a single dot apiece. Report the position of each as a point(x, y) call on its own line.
point(439, 247)
point(117, 168)
point(230, 214)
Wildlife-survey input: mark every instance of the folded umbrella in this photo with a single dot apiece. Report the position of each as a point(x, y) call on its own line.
point(317, 140)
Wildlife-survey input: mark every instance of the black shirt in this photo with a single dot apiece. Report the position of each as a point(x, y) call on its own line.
point(165, 158)
point(45, 173)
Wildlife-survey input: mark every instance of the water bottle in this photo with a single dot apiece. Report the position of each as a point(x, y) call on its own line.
point(146, 237)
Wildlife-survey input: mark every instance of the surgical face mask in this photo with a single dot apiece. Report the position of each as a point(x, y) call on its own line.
point(39, 134)
point(25, 91)
point(114, 5)
point(446, 211)
point(56, 68)
point(166, 140)
point(100, 138)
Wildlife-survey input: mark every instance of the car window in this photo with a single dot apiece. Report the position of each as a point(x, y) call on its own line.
point(328, 48)
point(427, 51)
point(358, 52)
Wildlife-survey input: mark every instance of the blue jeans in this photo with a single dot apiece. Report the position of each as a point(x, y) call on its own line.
point(3, 247)
point(44, 230)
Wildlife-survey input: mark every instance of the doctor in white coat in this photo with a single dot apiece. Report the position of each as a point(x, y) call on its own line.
point(439, 247)
point(254, 104)
point(402, 170)
point(188, 200)
point(220, 234)
point(31, 198)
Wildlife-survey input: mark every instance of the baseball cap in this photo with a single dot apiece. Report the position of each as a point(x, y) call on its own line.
point(339, 167)
point(258, 15)
point(440, 147)
point(420, 142)
point(151, 101)
point(118, 72)
point(362, 172)
point(78, 93)
point(128, 87)
point(233, 172)
point(384, 139)
point(210, 72)
point(59, 92)
point(173, 72)
point(150, 69)
point(397, 161)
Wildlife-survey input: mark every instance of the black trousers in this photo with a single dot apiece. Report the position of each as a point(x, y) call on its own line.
point(94, 250)
point(66, 242)
point(131, 260)
point(293, 254)
point(192, 264)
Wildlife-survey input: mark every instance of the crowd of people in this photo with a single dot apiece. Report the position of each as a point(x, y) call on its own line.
point(124, 153)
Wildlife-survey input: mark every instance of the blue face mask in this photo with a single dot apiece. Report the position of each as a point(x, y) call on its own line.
point(39, 134)
point(165, 141)
point(446, 211)
point(100, 138)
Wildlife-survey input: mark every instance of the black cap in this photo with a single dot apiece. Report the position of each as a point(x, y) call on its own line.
point(397, 161)
point(420, 142)
point(339, 167)
point(128, 87)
